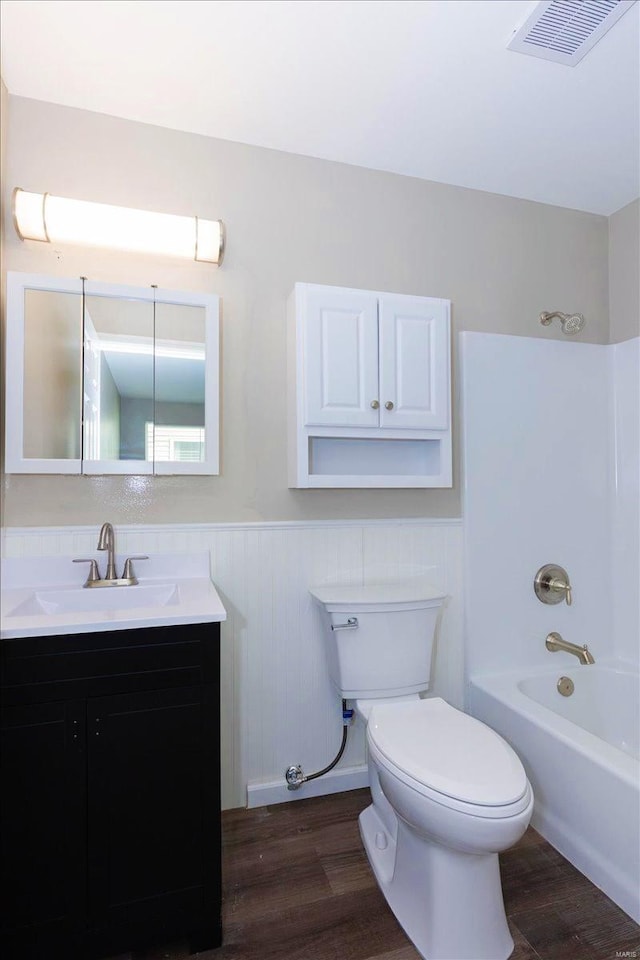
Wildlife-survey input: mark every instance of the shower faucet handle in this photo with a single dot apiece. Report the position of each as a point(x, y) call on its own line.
point(558, 584)
point(552, 584)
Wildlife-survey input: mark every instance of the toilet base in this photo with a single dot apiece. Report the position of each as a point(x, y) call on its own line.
point(449, 903)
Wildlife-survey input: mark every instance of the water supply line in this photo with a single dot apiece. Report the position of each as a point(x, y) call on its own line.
point(295, 775)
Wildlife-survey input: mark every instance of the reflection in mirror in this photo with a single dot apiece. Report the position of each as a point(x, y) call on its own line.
point(177, 432)
point(58, 379)
point(52, 374)
point(118, 377)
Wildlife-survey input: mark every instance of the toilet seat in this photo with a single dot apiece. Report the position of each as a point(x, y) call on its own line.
point(449, 757)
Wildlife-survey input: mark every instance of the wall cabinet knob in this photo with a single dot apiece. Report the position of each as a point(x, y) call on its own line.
point(375, 404)
point(388, 405)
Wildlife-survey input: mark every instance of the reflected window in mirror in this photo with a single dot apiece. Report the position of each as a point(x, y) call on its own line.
point(185, 444)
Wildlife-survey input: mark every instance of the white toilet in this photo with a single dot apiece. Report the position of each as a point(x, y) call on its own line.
point(448, 792)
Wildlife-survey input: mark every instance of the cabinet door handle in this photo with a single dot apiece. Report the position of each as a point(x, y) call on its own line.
point(375, 404)
point(76, 727)
point(388, 405)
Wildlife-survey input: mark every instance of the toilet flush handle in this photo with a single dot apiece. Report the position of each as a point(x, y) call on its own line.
point(351, 624)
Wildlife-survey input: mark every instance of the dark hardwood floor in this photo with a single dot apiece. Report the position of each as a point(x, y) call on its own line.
point(297, 886)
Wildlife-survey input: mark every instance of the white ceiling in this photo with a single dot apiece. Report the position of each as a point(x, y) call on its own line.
point(425, 88)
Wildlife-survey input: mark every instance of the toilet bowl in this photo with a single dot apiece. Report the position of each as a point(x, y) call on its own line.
point(449, 776)
point(454, 795)
point(448, 792)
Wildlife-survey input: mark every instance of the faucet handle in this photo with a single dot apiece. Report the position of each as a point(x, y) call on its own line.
point(552, 584)
point(94, 573)
point(558, 584)
point(128, 572)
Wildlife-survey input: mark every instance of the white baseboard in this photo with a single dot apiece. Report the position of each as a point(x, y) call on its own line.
point(264, 794)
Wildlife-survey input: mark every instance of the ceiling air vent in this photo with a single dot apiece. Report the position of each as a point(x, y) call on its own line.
point(565, 30)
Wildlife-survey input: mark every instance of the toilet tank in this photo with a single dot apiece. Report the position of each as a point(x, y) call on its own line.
point(388, 651)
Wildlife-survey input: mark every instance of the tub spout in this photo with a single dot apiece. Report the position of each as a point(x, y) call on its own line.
point(554, 642)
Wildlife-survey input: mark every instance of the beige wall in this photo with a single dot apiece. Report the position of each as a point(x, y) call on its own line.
point(4, 124)
point(624, 273)
point(501, 261)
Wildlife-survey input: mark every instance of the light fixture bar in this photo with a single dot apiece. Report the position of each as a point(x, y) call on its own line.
point(39, 216)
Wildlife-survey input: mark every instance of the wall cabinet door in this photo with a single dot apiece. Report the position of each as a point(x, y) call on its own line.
point(340, 334)
point(375, 361)
point(43, 813)
point(414, 363)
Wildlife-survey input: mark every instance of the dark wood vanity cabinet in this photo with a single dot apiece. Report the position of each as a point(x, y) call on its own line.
point(110, 796)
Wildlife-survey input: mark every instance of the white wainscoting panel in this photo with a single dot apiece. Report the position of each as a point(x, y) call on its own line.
point(277, 704)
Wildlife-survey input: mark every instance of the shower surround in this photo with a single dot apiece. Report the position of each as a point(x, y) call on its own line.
point(551, 475)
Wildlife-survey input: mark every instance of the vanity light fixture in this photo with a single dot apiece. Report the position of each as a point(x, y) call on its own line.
point(39, 216)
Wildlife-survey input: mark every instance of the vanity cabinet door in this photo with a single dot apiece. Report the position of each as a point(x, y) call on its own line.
point(154, 826)
point(110, 799)
point(43, 814)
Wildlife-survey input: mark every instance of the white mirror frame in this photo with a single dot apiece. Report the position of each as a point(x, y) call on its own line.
point(16, 462)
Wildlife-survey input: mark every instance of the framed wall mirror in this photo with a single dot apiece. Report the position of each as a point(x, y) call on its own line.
point(104, 378)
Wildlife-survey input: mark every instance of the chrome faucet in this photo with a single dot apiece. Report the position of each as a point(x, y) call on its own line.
point(107, 541)
point(554, 642)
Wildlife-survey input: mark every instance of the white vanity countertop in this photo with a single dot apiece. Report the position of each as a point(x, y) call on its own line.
point(44, 596)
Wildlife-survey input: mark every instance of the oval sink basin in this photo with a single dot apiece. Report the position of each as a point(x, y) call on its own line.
point(80, 600)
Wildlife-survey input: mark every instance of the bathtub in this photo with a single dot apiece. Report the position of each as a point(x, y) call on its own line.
point(581, 756)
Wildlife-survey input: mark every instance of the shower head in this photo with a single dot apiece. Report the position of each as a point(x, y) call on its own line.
point(571, 322)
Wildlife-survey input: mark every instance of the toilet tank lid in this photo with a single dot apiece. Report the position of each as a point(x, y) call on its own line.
point(376, 594)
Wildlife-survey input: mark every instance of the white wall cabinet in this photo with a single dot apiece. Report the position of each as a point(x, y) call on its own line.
point(369, 389)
